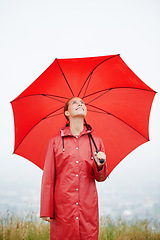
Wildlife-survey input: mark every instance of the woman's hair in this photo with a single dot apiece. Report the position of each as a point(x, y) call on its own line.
point(66, 108)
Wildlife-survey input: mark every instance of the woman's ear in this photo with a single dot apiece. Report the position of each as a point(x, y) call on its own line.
point(66, 113)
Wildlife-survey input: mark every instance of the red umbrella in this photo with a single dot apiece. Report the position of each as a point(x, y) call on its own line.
point(118, 104)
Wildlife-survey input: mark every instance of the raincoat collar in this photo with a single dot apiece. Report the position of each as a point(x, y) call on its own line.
point(65, 131)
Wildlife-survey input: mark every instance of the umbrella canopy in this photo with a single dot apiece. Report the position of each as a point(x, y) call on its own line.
point(118, 104)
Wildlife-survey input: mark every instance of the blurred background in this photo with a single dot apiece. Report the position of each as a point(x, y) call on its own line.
point(34, 33)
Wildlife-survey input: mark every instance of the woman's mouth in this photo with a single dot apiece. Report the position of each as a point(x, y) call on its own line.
point(80, 108)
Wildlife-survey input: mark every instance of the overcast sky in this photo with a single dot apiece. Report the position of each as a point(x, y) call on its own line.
point(35, 32)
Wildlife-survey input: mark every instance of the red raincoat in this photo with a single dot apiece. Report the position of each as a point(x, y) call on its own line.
point(68, 192)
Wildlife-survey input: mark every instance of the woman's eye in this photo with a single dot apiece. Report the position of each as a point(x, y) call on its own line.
point(75, 102)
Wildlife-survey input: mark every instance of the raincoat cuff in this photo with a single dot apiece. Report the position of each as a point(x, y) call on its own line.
point(101, 175)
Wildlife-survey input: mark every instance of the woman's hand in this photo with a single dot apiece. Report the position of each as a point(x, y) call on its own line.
point(98, 156)
point(46, 219)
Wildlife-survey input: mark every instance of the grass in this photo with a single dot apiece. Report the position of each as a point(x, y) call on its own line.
point(30, 227)
point(27, 227)
point(134, 230)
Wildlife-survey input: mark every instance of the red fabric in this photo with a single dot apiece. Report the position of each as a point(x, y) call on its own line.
point(118, 104)
point(68, 187)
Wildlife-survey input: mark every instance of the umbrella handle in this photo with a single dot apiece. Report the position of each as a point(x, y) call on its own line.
point(101, 160)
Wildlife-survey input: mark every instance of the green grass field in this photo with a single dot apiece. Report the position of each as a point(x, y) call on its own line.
point(31, 227)
point(122, 230)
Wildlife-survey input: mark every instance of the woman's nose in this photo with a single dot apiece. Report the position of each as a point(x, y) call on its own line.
point(79, 104)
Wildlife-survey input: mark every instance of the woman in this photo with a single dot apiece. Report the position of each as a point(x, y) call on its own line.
point(68, 194)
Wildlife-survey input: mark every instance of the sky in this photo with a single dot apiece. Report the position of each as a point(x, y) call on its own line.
point(35, 32)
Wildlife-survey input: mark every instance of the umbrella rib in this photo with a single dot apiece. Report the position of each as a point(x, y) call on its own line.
point(64, 76)
point(45, 95)
point(105, 91)
point(53, 97)
point(104, 111)
point(92, 73)
point(109, 89)
point(89, 77)
point(35, 126)
point(50, 115)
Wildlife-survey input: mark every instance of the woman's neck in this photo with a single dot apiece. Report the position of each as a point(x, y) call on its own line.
point(76, 125)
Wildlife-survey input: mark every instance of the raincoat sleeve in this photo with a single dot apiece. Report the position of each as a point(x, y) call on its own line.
point(101, 175)
point(47, 186)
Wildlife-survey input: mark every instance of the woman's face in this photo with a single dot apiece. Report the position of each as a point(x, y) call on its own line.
point(76, 108)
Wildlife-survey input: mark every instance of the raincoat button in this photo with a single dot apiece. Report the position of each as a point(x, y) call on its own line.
point(76, 175)
point(76, 218)
point(76, 161)
point(76, 147)
point(76, 189)
point(76, 203)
